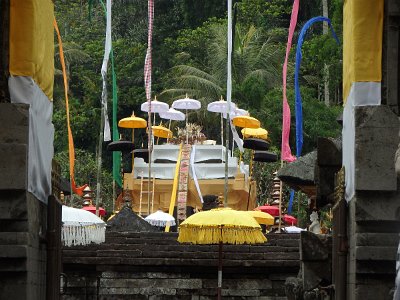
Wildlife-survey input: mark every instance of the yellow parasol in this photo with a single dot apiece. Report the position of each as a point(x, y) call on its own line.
point(246, 122)
point(261, 217)
point(132, 122)
point(259, 133)
point(161, 132)
point(221, 226)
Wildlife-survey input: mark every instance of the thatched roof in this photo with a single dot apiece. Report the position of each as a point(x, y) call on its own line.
point(300, 173)
point(127, 220)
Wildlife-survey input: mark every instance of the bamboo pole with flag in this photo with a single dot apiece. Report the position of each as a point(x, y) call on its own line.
point(71, 148)
point(147, 83)
point(286, 152)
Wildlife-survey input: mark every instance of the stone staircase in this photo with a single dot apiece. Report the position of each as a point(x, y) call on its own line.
point(155, 266)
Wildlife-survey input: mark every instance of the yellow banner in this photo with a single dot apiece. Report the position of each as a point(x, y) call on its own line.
point(32, 42)
point(362, 42)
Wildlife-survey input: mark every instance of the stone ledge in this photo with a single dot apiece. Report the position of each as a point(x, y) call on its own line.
point(13, 238)
point(376, 141)
point(13, 251)
point(15, 123)
point(13, 166)
point(372, 253)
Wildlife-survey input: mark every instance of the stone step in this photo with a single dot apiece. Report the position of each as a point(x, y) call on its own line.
point(141, 261)
point(13, 238)
point(13, 251)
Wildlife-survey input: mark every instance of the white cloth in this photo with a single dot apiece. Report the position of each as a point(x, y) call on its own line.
point(81, 227)
point(107, 50)
point(160, 219)
point(293, 229)
point(41, 133)
point(361, 94)
point(192, 166)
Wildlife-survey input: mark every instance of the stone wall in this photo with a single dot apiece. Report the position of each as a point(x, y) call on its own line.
point(156, 266)
point(374, 212)
point(22, 216)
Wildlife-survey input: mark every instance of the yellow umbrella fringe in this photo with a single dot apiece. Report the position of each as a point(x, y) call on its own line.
point(215, 235)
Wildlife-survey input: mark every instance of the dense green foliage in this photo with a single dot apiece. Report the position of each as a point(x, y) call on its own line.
point(189, 57)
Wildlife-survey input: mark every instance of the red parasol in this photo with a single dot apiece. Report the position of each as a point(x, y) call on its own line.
point(92, 209)
point(270, 209)
point(290, 220)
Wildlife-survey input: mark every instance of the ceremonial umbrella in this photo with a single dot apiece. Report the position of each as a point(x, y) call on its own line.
point(186, 104)
point(132, 122)
point(220, 226)
point(290, 220)
point(172, 114)
point(221, 107)
point(260, 133)
point(160, 219)
point(80, 227)
point(156, 106)
point(270, 209)
point(161, 132)
point(246, 122)
point(92, 209)
point(237, 112)
point(262, 217)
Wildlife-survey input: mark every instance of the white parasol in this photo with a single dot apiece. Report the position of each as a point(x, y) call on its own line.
point(160, 219)
point(186, 104)
point(237, 112)
point(221, 107)
point(156, 106)
point(172, 114)
point(81, 227)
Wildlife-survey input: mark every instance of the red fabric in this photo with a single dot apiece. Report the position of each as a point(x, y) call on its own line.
point(270, 209)
point(92, 209)
point(289, 220)
point(286, 153)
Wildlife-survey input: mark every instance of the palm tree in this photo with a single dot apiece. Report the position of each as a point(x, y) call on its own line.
point(255, 68)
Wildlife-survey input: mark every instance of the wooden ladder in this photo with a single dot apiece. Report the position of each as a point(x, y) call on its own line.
point(146, 207)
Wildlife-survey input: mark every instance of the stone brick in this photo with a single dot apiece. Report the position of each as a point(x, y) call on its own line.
point(156, 283)
point(376, 141)
point(376, 253)
point(13, 251)
point(314, 247)
point(15, 123)
point(376, 206)
point(13, 166)
point(377, 239)
point(137, 291)
point(13, 238)
point(373, 291)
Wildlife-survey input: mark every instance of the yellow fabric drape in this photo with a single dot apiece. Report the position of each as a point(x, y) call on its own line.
point(362, 42)
point(32, 42)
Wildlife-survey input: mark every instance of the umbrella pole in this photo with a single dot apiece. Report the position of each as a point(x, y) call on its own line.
point(169, 128)
point(250, 177)
point(133, 140)
point(222, 130)
point(280, 203)
point(219, 289)
point(187, 137)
